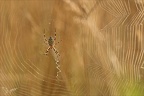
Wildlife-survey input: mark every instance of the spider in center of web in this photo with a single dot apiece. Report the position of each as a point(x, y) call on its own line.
point(51, 43)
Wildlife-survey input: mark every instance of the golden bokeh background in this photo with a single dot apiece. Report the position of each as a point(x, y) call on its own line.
point(101, 48)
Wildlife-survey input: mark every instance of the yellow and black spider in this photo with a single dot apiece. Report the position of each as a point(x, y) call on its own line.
point(51, 43)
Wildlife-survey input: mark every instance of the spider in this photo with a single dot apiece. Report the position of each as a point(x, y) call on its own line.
point(51, 43)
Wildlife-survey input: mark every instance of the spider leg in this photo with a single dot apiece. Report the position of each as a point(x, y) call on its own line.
point(55, 35)
point(45, 40)
point(58, 42)
point(47, 51)
point(56, 52)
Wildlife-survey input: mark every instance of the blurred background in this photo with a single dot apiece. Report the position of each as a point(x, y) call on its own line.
point(101, 48)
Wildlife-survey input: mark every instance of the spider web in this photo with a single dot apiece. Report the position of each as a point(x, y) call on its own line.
point(115, 50)
point(103, 56)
